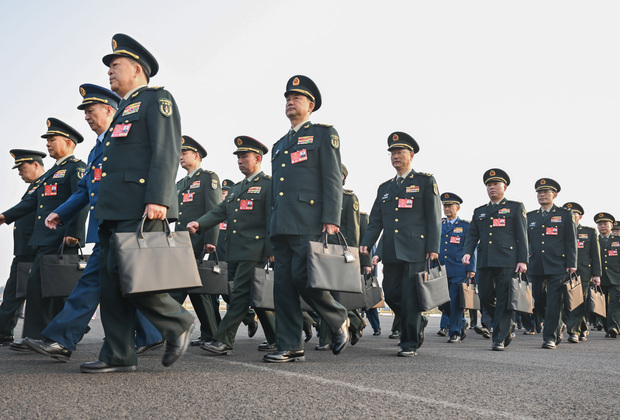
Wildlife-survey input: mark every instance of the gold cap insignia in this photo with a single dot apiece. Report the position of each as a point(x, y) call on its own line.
point(446, 195)
point(543, 182)
point(296, 81)
point(114, 45)
point(601, 215)
point(182, 140)
point(239, 142)
point(82, 91)
point(12, 155)
point(49, 124)
point(569, 205)
point(395, 137)
point(492, 173)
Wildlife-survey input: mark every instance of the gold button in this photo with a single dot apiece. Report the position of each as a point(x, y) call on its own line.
point(41, 206)
point(238, 199)
point(142, 181)
point(396, 209)
point(283, 165)
point(93, 181)
point(257, 237)
point(543, 251)
point(396, 220)
point(180, 213)
point(180, 204)
point(234, 231)
point(105, 158)
point(14, 227)
point(93, 167)
point(111, 129)
point(39, 217)
point(286, 152)
point(311, 201)
point(490, 233)
point(236, 209)
point(395, 230)
point(422, 236)
point(281, 194)
point(542, 243)
point(510, 247)
point(543, 226)
point(235, 221)
point(92, 194)
point(282, 179)
point(178, 223)
point(490, 242)
point(92, 207)
point(107, 143)
point(42, 195)
point(45, 183)
point(490, 226)
point(395, 198)
point(103, 175)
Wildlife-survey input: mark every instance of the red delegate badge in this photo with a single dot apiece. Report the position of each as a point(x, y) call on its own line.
point(188, 197)
point(499, 222)
point(580, 244)
point(405, 203)
point(612, 252)
point(97, 175)
point(299, 156)
point(551, 231)
point(455, 239)
point(121, 130)
point(247, 204)
point(51, 190)
point(223, 226)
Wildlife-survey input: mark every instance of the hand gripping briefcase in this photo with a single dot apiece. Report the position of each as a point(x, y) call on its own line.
point(213, 276)
point(596, 301)
point(573, 293)
point(155, 261)
point(60, 272)
point(469, 295)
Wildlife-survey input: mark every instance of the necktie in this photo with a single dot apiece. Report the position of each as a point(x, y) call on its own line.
point(545, 213)
point(291, 137)
point(185, 183)
point(399, 181)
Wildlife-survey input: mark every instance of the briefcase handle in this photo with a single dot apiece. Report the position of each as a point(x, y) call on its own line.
point(572, 280)
point(348, 256)
point(216, 268)
point(61, 251)
point(428, 266)
point(522, 277)
point(142, 240)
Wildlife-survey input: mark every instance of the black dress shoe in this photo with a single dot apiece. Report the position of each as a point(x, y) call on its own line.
point(573, 338)
point(265, 346)
point(355, 336)
point(498, 347)
point(323, 347)
point(559, 339)
point(175, 349)
point(442, 332)
point(285, 356)
point(549, 344)
point(103, 367)
point(308, 336)
point(584, 335)
point(49, 348)
point(454, 338)
point(252, 327)
point(196, 342)
point(340, 338)
point(5, 340)
point(613, 333)
point(599, 327)
point(464, 331)
point(406, 353)
point(395, 334)
point(483, 331)
point(423, 324)
point(216, 347)
point(377, 332)
point(510, 335)
point(144, 349)
point(19, 346)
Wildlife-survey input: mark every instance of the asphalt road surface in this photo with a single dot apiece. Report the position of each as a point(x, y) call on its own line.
point(366, 381)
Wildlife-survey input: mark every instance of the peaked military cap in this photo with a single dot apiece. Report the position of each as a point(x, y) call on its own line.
point(616, 226)
point(306, 86)
point(547, 184)
point(400, 140)
point(496, 175)
point(55, 127)
point(226, 184)
point(24, 155)
point(575, 207)
point(188, 143)
point(125, 46)
point(450, 198)
point(93, 94)
point(604, 217)
point(248, 144)
point(345, 171)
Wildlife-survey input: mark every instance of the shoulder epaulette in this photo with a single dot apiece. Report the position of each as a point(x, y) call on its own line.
point(383, 183)
point(349, 192)
point(156, 87)
point(466, 221)
point(424, 173)
point(75, 160)
point(323, 125)
point(208, 171)
point(267, 176)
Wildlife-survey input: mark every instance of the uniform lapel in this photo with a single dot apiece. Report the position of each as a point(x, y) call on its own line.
point(247, 185)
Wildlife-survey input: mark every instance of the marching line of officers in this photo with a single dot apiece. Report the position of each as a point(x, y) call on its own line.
point(270, 219)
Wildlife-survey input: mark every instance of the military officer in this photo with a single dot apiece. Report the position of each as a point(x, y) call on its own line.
point(499, 232)
point(610, 278)
point(615, 229)
point(246, 208)
point(29, 164)
point(553, 253)
point(141, 153)
point(54, 188)
point(67, 328)
point(198, 193)
point(306, 200)
point(407, 210)
point(588, 268)
point(350, 228)
point(453, 232)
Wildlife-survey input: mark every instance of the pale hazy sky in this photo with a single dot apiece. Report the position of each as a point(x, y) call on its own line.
point(528, 86)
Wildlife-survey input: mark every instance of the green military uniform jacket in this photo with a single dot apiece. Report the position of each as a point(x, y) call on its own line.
point(24, 226)
point(552, 241)
point(588, 253)
point(45, 195)
point(197, 196)
point(501, 232)
point(365, 259)
point(610, 258)
point(141, 156)
point(246, 210)
point(409, 216)
point(307, 181)
point(349, 220)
